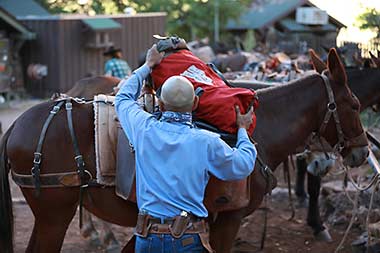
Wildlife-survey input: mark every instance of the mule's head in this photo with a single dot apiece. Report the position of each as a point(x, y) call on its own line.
point(350, 141)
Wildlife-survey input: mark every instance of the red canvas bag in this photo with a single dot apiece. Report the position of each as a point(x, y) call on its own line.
point(216, 105)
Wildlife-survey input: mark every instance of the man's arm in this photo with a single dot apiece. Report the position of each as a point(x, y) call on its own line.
point(131, 116)
point(129, 112)
point(234, 163)
point(228, 163)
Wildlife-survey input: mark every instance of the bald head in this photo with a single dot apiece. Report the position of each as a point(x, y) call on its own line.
point(177, 94)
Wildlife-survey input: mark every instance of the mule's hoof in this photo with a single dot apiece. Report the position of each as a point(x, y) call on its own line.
point(323, 236)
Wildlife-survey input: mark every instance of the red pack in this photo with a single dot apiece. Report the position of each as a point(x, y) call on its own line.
point(216, 105)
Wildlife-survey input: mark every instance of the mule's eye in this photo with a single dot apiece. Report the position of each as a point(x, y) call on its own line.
point(356, 104)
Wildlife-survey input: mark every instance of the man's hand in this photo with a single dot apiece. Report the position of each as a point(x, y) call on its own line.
point(244, 120)
point(153, 57)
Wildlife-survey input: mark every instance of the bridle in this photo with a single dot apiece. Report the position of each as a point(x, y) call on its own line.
point(343, 141)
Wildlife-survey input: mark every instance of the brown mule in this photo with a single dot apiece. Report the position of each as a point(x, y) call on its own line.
point(364, 83)
point(287, 116)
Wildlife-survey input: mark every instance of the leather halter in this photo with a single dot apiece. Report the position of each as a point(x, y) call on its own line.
point(343, 142)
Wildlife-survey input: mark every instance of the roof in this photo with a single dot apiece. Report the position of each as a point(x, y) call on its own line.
point(21, 8)
point(7, 20)
point(265, 14)
point(272, 11)
point(101, 24)
point(66, 16)
point(293, 26)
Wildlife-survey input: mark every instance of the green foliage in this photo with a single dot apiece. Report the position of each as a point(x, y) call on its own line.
point(186, 18)
point(90, 7)
point(370, 19)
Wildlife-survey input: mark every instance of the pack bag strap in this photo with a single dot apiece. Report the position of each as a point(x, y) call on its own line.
point(36, 170)
point(216, 70)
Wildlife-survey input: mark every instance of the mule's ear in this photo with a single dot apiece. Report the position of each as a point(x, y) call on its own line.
point(336, 67)
point(318, 64)
point(374, 59)
point(372, 55)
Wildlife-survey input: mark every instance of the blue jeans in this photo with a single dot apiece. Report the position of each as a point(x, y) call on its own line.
point(165, 243)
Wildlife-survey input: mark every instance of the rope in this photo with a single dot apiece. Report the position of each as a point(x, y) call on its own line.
point(368, 214)
point(374, 179)
point(374, 184)
point(354, 213)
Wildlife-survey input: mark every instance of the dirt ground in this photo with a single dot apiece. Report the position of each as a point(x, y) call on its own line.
point(282, 235)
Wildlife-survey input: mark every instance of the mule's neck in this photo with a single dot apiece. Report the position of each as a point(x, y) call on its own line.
point(287, 115)
point(365, 84)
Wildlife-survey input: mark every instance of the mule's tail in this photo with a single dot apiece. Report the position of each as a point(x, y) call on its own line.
point(6, 214)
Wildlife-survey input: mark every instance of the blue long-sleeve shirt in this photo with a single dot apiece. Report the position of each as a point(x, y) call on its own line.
point(173, 160)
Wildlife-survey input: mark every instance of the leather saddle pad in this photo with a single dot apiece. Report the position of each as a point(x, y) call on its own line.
point(115, 163)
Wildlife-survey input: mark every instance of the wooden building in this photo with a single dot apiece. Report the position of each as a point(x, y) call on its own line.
point(72, 46)
point(278, 24)
point(67, 48)
point(13, 35)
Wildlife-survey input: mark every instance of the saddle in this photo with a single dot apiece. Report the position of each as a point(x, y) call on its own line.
point(115, 162)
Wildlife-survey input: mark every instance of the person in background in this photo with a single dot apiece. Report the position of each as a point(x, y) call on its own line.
point(174, 161)
point(115, 66)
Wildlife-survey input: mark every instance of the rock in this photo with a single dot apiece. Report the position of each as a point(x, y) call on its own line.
point(341, 220)
point(374, 229)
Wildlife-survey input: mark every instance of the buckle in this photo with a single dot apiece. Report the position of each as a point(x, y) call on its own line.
point(69, 106)
point(79, 160)
point(55, 109)
point(37, 158)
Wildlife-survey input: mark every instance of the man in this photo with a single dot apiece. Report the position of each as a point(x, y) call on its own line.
point(174, 161)
point(115, 66)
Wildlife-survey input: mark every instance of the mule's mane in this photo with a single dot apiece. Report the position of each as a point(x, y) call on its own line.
point(274, 92)
point(92, 79)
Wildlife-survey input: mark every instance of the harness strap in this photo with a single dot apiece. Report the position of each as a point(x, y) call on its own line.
point(51, 180)
point(78, 159)
point(35, 171)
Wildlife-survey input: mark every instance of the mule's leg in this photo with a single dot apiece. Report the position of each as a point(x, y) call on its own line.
point(49, 231)
point(223, 231)
point(300, 181)
point(88, 229)
point(53, 214)
point(313, 216)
